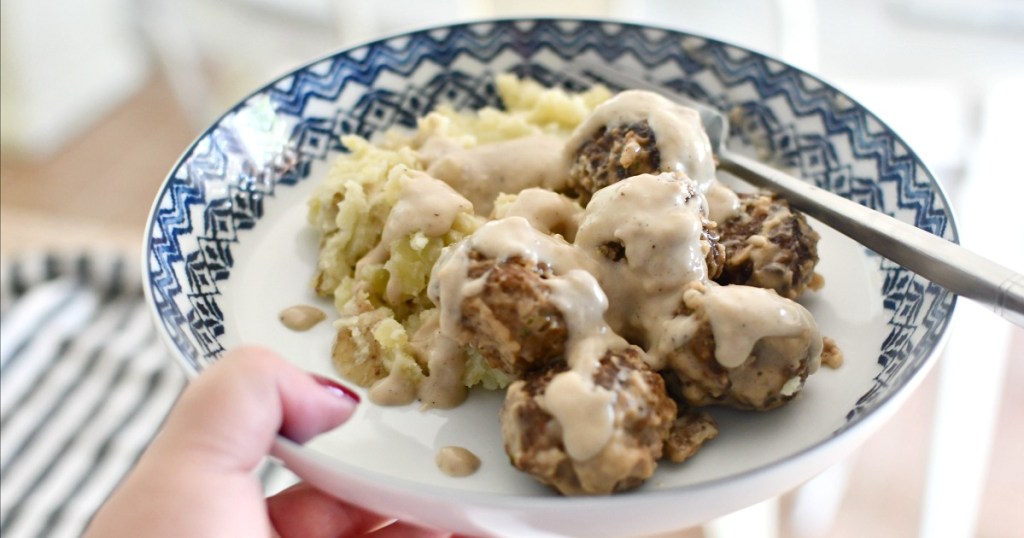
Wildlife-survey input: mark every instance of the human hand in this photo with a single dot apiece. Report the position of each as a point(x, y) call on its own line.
point(197, 477)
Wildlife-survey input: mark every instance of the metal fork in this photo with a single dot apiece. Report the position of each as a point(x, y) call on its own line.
point(946, 263)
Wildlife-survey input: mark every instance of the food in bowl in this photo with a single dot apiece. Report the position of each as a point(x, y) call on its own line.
point(577, 251)
point(228, 248)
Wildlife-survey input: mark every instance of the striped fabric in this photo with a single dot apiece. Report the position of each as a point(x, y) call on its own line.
point(84, 383)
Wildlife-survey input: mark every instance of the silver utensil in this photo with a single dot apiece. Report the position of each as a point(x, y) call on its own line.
point(946, 263)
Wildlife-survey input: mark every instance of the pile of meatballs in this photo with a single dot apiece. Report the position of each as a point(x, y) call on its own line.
point(664, 293)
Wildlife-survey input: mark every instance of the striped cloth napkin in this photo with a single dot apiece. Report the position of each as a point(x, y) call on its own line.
point(85, 382)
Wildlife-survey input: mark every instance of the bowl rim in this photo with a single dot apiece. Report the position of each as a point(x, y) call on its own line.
point(880, 412)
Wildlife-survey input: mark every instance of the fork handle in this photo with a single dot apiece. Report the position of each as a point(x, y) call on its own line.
point(946, 263)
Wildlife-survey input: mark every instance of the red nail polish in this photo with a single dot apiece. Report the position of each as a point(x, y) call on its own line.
point(336, 387)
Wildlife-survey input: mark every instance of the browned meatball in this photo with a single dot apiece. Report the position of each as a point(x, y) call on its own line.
point(642, 416)
point(771, 345)
point(769, 246)
point(710, 245)
point(689, 432)
point(511, 321)
point(612, 154)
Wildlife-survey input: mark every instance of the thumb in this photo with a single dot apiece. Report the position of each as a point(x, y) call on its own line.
point(196, 477)
point(230, 415)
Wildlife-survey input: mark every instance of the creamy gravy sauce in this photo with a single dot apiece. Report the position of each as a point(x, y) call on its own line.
point(740, 316)
point(425, 205)
point(723, 203)
point(301, 317)
point(444, 388)
point(678, 131)
point(583, 410)
point(395, 389)
point(483, 172)
point(547, 211)
point(457, 461)
point(657, 219)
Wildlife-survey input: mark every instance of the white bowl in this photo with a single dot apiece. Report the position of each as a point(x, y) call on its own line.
point(228, 248)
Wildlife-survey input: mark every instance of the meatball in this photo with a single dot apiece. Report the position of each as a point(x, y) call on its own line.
point(649, 237)
point(612, 154)
point(689, 432)
point(739, 346)
point(636, 132)
point(768, 245)
point(511, 321)
point(710, 245)
point(556, 429)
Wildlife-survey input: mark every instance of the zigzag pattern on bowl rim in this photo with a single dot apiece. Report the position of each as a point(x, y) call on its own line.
point(218, 189)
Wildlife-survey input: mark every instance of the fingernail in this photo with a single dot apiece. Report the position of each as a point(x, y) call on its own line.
point(336, 388)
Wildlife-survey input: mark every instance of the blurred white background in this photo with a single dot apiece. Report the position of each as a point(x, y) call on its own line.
point(97, 100)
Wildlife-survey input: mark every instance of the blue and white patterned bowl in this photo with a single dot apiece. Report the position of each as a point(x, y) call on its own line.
point(228, 248)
